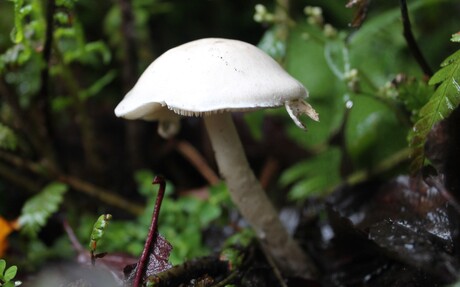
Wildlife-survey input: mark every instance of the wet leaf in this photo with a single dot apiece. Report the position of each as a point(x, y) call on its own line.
point(405, 222)
point(158, 259)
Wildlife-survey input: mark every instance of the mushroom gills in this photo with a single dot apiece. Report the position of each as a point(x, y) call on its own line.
point(298, 107)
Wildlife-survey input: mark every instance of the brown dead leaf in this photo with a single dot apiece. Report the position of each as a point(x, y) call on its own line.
point(360, 13)
point(6, 227)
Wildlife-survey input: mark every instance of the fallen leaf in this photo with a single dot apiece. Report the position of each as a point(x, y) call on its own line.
point(360, 13)
point(6, 227)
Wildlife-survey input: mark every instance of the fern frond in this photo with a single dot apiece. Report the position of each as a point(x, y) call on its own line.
point(39, 208)
point(444, 100)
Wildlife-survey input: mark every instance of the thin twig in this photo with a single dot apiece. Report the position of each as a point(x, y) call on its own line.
point(195, 158)
point(360, 176)
point(411, 43)
point(83, 119)
point(102, 194)
point(129, 67)
point(42, 104)
point(21, 118)
point(130, 59)
point(7, 173)
point(269, 169)
point(283, 23)
point(273, 266)
point(194, 269)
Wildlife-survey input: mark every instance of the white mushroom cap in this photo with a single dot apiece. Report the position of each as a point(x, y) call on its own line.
point(212, 75)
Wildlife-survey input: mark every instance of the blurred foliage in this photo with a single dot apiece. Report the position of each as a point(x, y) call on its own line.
point(39, 208)
point(58, 91)
point(182, 222)
point(8, 139)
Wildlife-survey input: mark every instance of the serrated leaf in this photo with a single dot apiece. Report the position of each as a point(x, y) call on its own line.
point(40, 207)
point(10, 273)
point(441, 104)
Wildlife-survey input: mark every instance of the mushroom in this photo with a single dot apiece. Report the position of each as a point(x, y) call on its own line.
point(213, 77)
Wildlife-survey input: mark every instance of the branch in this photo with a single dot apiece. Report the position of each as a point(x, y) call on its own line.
point(22, 181)
point(102, 194)
point(22, 119)
point(83, 119)
point(90, 189)
point(411, 43)
point(129, 68)
point(130, 61)
point(45, 125)
point(189, 270)
point(385, 165)
point(197, 160)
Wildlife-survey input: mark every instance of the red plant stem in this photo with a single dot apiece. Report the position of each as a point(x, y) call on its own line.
point(151, 237)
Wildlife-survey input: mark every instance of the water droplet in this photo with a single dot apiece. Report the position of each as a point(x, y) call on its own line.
point(349, 104)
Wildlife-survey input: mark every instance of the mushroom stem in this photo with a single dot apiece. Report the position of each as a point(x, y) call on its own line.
point(251, 199)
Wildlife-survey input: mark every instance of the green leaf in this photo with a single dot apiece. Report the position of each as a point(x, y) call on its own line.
point(97, 86)
point(98, 230)
point(455, 37)
point(305, 61)
point(17, 34)
point(10, 273)
point(414, 94)
point(372, 132)
point(313, 176)
point(441, 104)
point(272, 45)
point(255, 120)
point(40, 207)
point(378, 51)
point(208, 213)
point(2, 266)
point(8, 138)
